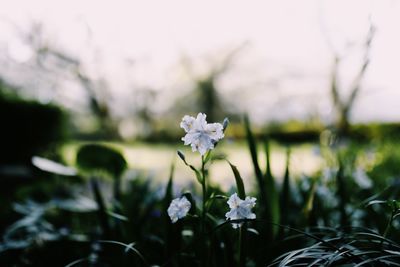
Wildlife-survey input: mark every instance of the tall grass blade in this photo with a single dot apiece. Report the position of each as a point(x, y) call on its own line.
point(102, 211)
point(171, 232)
point(308, 206)
point(239, 181)
point(285, 197)
point(266, 206)
point(272, 192)
point(341, 193)
point(128, 247)
point(169, 189)
point(254, 157)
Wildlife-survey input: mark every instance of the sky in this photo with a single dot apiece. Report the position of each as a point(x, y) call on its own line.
point(281, 72)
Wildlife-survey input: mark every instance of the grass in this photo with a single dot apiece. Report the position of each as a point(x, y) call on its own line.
point(312, 210)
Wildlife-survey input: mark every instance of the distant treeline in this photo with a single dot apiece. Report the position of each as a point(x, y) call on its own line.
point(296, 132)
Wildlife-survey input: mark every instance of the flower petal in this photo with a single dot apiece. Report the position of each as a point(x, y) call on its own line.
point(240, 209)
point(200, 122)
point(200, 135)
point(187, 123)
point(215, 131)
point(178, 208)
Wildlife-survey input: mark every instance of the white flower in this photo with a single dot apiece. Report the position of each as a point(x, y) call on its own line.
point(178, 208)
point(199, 134)
point(362, 179)
point(240, 209)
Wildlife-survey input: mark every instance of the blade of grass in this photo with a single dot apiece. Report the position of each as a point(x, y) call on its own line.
point(102, 211)
point(265, 204)
point(285, 194)
point(171, 231)
point(242, 231)
point(128, 247)
point(76, 262)
point(342, 194)
point(239, 181)
point(308, 206)
point(272, 192)
point(254, 158)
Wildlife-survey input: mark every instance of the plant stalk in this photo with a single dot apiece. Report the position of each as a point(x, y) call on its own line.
point(389, 225)
point(242, 245)
point(204, 189)
point(203, 211)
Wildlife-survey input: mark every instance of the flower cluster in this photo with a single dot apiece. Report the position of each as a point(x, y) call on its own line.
point(178, 208)
point(201, 135)
point(240, 209)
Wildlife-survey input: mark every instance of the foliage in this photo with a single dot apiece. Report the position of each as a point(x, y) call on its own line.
point(37, 127)
point(346, 214)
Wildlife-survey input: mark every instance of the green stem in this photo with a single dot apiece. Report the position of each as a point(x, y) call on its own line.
point(203, 211)
point(242, 240)
point(102, 210)
point(204, 189)
point(389, 225)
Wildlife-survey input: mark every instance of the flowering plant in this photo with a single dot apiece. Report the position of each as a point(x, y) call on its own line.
point(178, 208)
point(202, 136)
point(240, 209)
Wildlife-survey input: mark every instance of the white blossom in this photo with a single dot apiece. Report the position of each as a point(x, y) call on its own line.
point(201, 135)
point(240, 209)
point(178, 208)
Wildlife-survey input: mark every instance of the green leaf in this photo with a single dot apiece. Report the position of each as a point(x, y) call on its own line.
point(52, 166)
point(208, 156)
point(197, 173)
point(168, 192)
point(182, 156)
point(198, 176)
point(239, 181)
point(269, 199)
point(285, 197)
point(342, 192)
point(394, 204)
point(77, 262)
point(128, 247)
point(218, 156)
point(374, 202)
point(268, 172)
point(254, 157)
point(271, 190)
point(253, 231)
point(78, 204)
point(217, 197)
point(102, 211)
point(95, 157)
point(118, 216)
point(310, 199)
point(213, 197)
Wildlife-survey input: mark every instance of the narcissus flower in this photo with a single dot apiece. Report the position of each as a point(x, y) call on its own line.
point(201, 135)
point(240, 209)
point(178, 208)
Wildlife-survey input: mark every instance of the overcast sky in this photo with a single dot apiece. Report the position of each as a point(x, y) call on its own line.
point(286, 53)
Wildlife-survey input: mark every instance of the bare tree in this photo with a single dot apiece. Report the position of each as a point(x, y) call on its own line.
point(208, 99)
point(343, 107)
point(54, 62)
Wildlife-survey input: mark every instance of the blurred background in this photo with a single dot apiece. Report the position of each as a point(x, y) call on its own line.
point(126, 72)
point(92, 94)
